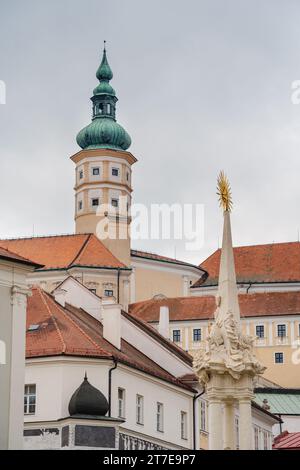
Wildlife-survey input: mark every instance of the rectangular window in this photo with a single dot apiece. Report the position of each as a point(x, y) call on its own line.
point(108, 293)
point(81, 174)
point(281, 331)
point(121, 402)
point(197, 334)
point(176, 336)
point(79, 205)
point(139, 409)
point(159, 417)
point(29, 399)
point(202, 415)
point(237, 433)
point(96, 171)
point(278, 358)
point(183, 424)
point(115, 202)
point(266, 440)
point(115, 171)
point(127, 176)
point(256, 438)
point(95, 202)
point(260, 331)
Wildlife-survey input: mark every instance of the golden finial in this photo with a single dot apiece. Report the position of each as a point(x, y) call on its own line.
point(224, 192)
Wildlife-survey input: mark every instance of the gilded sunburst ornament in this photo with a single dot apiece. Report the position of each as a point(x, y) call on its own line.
point(224, 192)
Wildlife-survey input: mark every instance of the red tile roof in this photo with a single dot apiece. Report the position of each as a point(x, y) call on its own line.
point(156, 257)
point(8, 255)
point(203, 307)
point(277, 262)
point(287, 440)
point(73, 332)
point(64, 251)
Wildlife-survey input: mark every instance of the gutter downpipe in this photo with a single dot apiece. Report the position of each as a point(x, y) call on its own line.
point(109, 385)
point(195, 398)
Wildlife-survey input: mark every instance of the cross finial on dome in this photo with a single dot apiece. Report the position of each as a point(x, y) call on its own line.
point(104, 48)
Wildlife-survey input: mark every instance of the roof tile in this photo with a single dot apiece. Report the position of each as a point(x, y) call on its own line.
point(203, 307)
point(64, 251)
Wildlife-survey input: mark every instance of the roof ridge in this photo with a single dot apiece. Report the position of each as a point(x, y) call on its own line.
point(42, 295)
point(45, 236)
point(58, 306)
point(81, 249)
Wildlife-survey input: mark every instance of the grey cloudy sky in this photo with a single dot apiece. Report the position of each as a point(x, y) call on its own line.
point(203, 85)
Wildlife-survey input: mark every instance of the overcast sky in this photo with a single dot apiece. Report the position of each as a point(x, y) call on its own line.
point(203, 85)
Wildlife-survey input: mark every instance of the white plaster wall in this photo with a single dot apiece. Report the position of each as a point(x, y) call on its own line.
point(56, 380)
point(151, 348)
point(290, 424)
point(174, 401)
point(79, 296)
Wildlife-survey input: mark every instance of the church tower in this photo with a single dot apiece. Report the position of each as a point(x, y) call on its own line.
point(103, 171)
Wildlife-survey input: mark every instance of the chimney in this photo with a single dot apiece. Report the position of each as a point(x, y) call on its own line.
point(60, 296)
point(111, 321)
point(163, 326)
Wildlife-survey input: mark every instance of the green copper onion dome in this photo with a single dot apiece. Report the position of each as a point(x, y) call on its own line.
point(104, 131)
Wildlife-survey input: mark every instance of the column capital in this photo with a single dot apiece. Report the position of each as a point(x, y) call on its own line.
point(19, 294)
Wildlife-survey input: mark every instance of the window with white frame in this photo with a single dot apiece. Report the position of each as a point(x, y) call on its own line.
point(237, 433)
point(95, 171)
point(139, 409)
point(196, 334)
point(159, 417)
point(256, 438)
point(29, 399)
point(266, 440)
point(95, 201)
point(281, 331)
point(203, 411)
point(279, 358)
point(183, 424)
point(260, 331)
point(121, 403)
point(176, 336)
point(108, 293)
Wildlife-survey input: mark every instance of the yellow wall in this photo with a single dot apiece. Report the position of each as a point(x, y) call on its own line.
point(150, 282)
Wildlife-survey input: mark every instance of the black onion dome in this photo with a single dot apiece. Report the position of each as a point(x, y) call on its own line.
point(88, 400)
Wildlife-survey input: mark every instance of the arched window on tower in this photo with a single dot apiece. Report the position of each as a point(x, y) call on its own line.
point(100, 108)
point(108, 108)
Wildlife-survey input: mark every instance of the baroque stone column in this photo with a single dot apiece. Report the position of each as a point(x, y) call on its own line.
point(215, 437)
point(229, 426)
point(225, 363)
point(245, 424)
